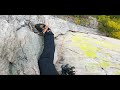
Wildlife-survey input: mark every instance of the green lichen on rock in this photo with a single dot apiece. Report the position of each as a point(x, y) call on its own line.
point(89, 46)
point(116, 72)
point(88, 49)
point(104, 64)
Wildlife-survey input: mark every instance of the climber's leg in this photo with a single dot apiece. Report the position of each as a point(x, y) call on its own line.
point(45, 61)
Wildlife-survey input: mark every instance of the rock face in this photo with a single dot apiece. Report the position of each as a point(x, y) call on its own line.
point(81, 47)
point(93, 22)
point(90, 54)
point(19, 50)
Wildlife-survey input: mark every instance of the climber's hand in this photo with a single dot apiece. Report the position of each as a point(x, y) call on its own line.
point(45, 29)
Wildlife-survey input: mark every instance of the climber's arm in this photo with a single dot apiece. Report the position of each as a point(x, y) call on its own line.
point(46, 28)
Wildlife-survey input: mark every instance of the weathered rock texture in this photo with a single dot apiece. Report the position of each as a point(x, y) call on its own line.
point(81, 47)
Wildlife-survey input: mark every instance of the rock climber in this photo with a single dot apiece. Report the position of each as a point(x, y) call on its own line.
point(45, 61)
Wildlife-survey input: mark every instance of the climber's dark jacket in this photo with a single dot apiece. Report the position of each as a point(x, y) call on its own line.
point(45, 61)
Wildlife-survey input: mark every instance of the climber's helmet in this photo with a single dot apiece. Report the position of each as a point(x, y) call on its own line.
point(40, 27)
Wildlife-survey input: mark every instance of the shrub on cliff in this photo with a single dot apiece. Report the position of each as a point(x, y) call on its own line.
point(109, 25)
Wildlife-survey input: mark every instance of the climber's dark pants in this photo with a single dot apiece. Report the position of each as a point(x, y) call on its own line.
point(45, 61)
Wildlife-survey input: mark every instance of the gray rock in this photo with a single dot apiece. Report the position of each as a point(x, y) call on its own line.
point(93, 22)
point(89, 54)
point(19, 49)
point(81, 47)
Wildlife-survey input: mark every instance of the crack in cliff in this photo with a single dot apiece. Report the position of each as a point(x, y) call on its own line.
point(78, 32)
point(22, 48)
point(73, 51)
point(10, 68)
point(103, 70)
point(9, 18)
point(23, 58)
point(22, 26)
point(59, 35)
point(34, 70)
